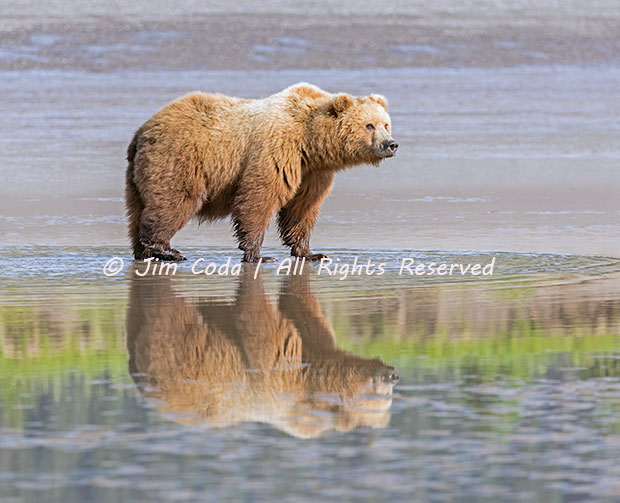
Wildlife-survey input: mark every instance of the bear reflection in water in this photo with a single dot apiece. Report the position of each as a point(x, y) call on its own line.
point(222, 362)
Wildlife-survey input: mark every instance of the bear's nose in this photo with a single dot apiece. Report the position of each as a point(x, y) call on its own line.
point(392, 376)
point(388, 375)
point(391, 146)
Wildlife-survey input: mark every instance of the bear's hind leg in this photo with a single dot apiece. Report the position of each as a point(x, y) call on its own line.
point(134, 207)
point(157, 226)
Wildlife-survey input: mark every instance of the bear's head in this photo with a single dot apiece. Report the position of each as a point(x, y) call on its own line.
point(363, 127)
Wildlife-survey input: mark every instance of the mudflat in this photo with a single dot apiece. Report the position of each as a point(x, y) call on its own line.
point(513, 159)
point(506, 115)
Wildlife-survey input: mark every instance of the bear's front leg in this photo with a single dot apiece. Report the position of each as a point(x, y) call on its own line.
point(265, 186)
point(250, 221)
point(298, 217)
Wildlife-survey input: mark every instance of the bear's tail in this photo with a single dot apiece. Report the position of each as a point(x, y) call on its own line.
point(133, 203)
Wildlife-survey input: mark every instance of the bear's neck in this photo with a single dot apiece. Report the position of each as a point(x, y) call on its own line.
point(332, 158)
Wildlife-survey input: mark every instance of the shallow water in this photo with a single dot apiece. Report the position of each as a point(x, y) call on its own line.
point(281, 387)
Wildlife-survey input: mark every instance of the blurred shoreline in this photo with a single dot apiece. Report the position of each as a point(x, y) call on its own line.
point(193, 35)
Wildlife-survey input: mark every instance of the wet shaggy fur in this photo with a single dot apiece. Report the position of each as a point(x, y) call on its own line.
point(210, 156)
point(223, 362)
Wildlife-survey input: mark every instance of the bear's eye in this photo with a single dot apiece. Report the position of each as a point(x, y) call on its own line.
point(370, 127)
point(387, 127)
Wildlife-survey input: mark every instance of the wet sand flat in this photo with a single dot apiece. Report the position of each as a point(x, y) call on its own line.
point(506, 114)
point(514, 159)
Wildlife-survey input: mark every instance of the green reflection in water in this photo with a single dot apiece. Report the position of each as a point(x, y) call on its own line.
point(446, 332)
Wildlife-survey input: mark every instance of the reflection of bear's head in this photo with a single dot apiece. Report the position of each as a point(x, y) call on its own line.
point(225, 362)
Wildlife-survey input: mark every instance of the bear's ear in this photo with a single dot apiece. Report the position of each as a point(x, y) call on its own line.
point(379, 98)
point(339, 104)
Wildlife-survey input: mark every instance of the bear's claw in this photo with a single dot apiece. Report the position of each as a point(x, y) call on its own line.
point(174, 255)
point(256, 259)
point(312, 257)
point(165, 254)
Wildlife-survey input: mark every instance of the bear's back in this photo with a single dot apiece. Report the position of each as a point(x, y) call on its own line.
point(201, 108)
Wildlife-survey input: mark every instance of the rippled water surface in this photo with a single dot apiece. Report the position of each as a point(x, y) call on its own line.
point(267, 387)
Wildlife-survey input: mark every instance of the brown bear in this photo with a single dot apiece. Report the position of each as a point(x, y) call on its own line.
point(221, 361)
point(208, 156)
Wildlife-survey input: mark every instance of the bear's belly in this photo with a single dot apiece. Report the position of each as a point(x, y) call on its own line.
point(219, 206)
